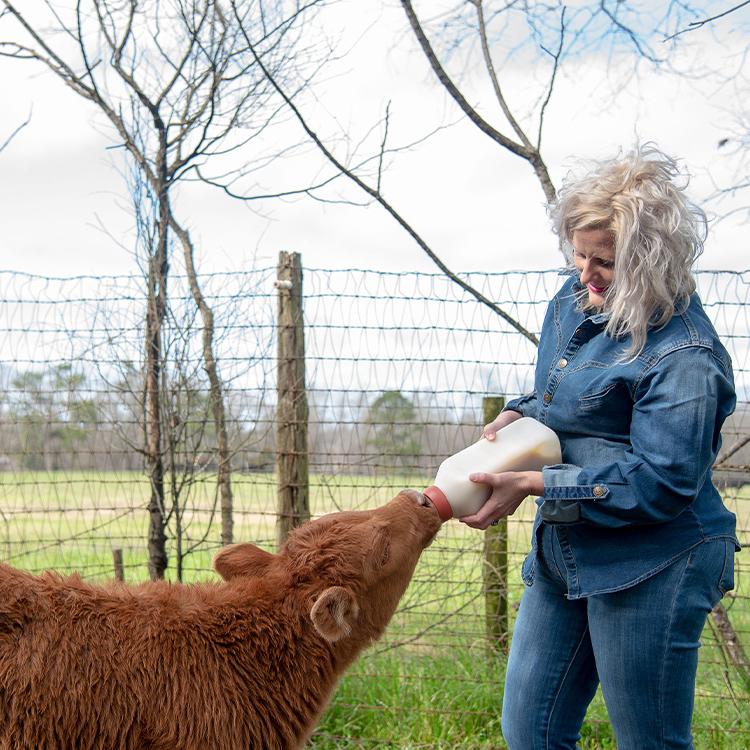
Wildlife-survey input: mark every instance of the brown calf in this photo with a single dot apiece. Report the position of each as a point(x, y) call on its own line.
point(247, 664)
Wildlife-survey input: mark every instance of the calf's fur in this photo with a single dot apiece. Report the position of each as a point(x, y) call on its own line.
point(248, 663)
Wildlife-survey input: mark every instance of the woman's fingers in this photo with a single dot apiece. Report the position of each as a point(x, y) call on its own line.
point(503, 420)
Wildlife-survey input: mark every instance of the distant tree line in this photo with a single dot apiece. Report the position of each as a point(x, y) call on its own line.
point(58, 419)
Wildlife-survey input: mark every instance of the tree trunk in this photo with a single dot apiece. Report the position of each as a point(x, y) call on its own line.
point(157, 302)
point(224, 475)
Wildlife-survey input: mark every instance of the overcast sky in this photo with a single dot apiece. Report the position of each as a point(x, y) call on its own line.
point(480, 207)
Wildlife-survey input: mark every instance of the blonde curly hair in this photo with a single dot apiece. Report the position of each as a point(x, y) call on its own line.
point(657, 233)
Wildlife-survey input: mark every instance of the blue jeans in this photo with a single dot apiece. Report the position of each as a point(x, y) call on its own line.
point(640, 643)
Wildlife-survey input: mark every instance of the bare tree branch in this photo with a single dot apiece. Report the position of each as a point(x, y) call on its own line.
point(525, 150)
point(507, 143)
point(612, 15)
point(493, 77)
point(555, 67)
point(731, 450)
point(377, 196)
point(694, 25)
point(4, 144)
point(382, 146)
point(225, 182)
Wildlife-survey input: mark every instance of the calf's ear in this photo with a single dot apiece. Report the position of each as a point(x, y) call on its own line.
point(334, 613)
point(242, 560)
point(379, 547)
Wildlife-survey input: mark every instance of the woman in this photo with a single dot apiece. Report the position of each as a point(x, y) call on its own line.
point(632, 545)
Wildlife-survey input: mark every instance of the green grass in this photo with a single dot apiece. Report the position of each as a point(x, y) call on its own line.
point(432, 681)
point(452, 698)
point(72, 520)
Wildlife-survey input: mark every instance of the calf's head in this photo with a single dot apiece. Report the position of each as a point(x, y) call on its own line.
point(347, 570)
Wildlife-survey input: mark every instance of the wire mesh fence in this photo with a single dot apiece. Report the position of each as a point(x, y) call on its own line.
point(397, 366)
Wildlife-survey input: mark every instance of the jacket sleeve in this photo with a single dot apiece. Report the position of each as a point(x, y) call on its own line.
point(526, 405)
point(680, 405)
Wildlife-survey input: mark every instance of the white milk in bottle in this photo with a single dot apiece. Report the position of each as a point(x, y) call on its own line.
point(523, 445)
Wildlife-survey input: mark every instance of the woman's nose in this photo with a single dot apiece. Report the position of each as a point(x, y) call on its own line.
point(585, 272)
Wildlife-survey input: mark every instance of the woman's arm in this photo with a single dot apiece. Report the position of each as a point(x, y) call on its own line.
point(680, 405)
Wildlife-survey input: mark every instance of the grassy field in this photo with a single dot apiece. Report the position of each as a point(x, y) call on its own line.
point(433, 681)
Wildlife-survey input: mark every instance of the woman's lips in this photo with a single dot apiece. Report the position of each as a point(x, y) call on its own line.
point(597, 289)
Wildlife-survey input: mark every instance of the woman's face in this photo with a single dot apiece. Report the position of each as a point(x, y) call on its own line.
point(594, 256)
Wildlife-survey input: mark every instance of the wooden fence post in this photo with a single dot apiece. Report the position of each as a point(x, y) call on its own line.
point(291, 407)
point(495, 561)
point(119, 567)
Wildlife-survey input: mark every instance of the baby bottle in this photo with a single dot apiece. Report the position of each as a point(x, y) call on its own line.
point(523, 445)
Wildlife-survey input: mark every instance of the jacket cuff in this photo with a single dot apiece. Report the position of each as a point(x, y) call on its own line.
point(522, 404)
point(562, 494)
point(561, 483)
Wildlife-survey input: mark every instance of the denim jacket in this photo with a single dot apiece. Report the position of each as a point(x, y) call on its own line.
point(638, 438)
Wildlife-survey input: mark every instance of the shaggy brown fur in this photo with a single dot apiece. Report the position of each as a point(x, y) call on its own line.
point(245, 664)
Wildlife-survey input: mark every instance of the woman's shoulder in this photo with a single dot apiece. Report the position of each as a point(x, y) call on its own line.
point(688, 328)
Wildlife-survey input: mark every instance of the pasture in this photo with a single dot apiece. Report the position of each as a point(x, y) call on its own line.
point(433, 681)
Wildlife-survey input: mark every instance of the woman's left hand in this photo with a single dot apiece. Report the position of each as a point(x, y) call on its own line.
point(509, 490)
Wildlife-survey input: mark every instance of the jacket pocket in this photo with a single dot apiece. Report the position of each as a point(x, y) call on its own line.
point(592, 401)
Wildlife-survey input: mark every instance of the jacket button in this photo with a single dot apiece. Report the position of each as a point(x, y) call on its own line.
point(563, 362)
point(598, 491)
point(547, 398)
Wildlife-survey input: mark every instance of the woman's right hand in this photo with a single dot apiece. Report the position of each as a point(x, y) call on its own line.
point(503, 420)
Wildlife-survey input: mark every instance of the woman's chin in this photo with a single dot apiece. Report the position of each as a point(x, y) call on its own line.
point(596, 299)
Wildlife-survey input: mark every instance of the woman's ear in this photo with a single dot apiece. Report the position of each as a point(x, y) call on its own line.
point(242, 560)
point(334, 613)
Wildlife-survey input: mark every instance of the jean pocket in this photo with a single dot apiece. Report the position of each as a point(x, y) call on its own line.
point(726, 581)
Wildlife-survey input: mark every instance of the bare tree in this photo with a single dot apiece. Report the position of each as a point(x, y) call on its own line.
point(494, 33)
point(189, 437)
point(178, 86)
point(551, 35)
